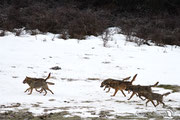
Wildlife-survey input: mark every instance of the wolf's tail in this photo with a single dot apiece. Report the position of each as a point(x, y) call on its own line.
point(155, 84)
point(165, 94)
point(134, 78)
point(50, 83)
point(48, 76)
point(127, 78)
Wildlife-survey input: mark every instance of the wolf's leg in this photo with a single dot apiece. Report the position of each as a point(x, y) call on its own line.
point(30, 91)
point(131, 96)
point(108, 90)
point(27, 90)
point(105, 87)
point(147, 102)
point(41, 90)
point(142, 98)
point(157, 103)
point(153, 103)
point(162, 103)
point(45, 91)
point(49, 90)
point(123, 93)
point(116, 90)
point(38, 90)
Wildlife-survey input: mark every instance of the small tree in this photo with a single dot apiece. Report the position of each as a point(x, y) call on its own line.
point(107, 36)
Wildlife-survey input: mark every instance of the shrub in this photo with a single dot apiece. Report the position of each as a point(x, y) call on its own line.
point(156, 20)
point(86, 23)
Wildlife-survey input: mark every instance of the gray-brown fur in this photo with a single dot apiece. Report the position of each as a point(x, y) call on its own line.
point(117, 84)
point(108, 81)
point(153, 96)
point(36, 83)
point(138, 88)
point(146, 91)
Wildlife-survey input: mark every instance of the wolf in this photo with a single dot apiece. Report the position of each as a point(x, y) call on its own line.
point(118, 84)
point(106, 82)
point(138, 88)
point(153, 96)
point(35, 83)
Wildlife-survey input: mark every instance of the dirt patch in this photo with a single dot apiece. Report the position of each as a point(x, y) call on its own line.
point(105, 114)
point(86, 58)
point(93, 79)
point(87, 101)
point(106, 62)
point(55, 68)
point(153, 115)
point(14, 76)
point(178, 108)
point(92, 112)
point(140, 104)
point(69, 79)
point(13, 105)
point(128, 116)
point(52, 99)
point(10, 115)
point(65, 115)
point(89, 54)
point(59, 116)
point(35, 105)
point(118, 101)
point(39, 102)
point(13, 66)
point(30, 67)
point(174, 88)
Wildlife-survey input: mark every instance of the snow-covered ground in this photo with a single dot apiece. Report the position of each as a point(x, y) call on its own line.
point(85, 64)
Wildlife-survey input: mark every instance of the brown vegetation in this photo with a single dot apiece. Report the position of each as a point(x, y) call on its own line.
point(155, 20)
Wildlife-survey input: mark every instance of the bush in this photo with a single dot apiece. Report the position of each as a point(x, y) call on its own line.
point(156, 20)
point(86, 23)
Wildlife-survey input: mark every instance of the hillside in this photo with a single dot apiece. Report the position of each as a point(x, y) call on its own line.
point(155, 20)
point(84, 65)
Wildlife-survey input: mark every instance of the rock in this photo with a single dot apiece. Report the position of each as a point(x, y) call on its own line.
point(56, 68)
